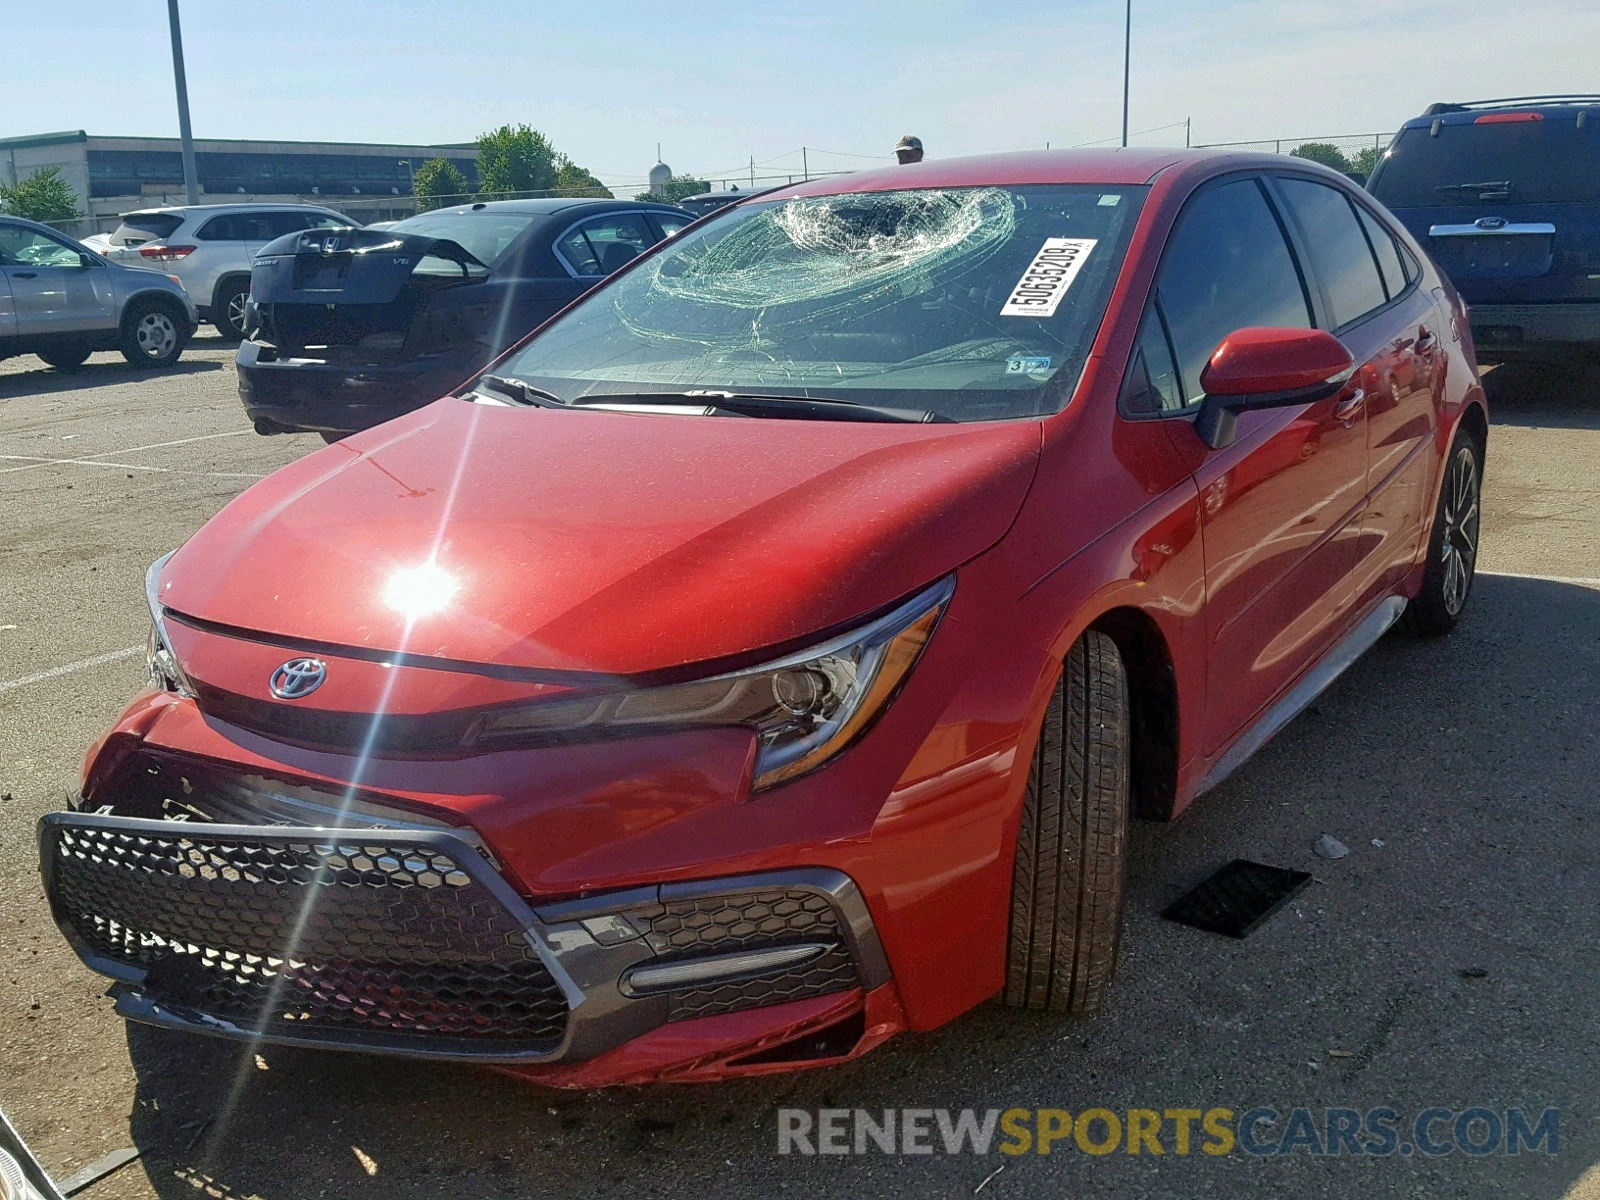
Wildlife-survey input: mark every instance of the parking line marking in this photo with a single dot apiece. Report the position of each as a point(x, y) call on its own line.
point(83, 664)
point(84, 462)
point(35, 461)
point(1579, 581)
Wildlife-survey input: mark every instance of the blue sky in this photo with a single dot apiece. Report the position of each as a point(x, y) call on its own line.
point(717, 82)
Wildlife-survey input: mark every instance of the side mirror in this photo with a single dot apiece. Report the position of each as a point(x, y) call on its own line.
point(1268, 368)
point(87, 260)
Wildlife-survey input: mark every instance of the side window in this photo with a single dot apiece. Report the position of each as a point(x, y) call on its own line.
point(1383, 245)
point(671, 223)
point(606, 244)
point(1151, 385)
point(257, 227)
point(280, 223)
point(1227, 266)
point(21, 247)
point(319, 221)
point(220, 229)
point(1339, 252)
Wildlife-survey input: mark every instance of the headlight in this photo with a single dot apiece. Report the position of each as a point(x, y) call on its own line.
point(804, 709)
point(165, 673)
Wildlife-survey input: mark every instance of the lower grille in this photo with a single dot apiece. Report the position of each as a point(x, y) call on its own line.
point(693, 927)
point(375, 939)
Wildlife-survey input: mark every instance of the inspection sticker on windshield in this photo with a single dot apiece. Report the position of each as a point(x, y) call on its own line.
point(1048, 277)
point(1035, 365)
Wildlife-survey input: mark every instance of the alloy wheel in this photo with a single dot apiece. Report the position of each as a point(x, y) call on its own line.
point(235, 314)
point(1458, 552)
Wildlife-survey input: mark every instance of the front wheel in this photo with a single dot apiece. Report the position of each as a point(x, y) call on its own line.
point(1072, 846)
point(153, 333)
point(1453, 544)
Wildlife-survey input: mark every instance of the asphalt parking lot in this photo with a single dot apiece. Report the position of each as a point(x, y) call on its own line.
point(1450, 960)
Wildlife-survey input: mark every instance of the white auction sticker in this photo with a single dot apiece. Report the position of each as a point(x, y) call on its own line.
point(1048, 277)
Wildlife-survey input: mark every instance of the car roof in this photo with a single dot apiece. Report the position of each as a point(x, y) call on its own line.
point(1111, 167)
point(1466, 111)
point(207, 210)
point(546, 205)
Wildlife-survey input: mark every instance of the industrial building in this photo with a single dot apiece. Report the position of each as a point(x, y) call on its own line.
point(112, 175)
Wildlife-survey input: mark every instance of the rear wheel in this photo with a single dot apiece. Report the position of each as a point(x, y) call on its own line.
point(1071, 861)
point(154, 333)
point(65, 358)
point(1453, 544)
point(228, 308)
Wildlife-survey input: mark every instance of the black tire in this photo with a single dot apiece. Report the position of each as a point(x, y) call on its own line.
point(66, 358)
point(227, 308)
point(1072, 846)
point(1452, 543)
point(154, 332)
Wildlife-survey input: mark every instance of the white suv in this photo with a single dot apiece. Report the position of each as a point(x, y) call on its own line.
point(208, 248)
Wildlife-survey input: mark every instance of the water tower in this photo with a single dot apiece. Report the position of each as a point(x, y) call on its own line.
point(659, 174)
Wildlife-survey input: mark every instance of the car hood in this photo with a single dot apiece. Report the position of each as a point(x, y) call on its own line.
point(599, 542)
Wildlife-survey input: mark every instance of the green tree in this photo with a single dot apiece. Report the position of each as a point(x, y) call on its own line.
point(439, 181)
point(573, 180)
point(43, 196)
point(1366, 162)
point(515, 158)
point(676, 188)
point(1325, 153)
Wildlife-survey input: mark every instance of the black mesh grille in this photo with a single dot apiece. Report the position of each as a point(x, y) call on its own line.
point(390, 943)
point(705, 925)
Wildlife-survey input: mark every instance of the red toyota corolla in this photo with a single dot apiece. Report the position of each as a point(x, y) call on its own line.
point(769, 654)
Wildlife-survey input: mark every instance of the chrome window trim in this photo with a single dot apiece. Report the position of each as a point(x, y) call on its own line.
point(555, 242)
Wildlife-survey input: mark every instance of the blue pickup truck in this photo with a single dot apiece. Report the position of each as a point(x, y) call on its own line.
point(1505, 194)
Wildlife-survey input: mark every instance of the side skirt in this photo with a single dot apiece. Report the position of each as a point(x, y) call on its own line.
point(1311, 685)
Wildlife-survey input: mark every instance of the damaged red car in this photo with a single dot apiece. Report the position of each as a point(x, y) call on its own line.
point(768, 655)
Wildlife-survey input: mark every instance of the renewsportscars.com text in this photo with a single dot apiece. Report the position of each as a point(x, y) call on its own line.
point(1214, 1131)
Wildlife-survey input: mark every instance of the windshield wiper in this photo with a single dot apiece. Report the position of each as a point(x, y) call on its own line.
point(522, 393)
point(1493, 185)
point(762, 404)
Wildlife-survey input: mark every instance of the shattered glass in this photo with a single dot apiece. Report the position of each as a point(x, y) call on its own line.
point(880, 297)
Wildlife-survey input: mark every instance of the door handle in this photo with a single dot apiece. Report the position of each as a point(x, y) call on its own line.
point(1350, 407)
point(24, 274)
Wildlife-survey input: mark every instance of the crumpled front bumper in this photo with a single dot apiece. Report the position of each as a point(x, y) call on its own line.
point(407, 940)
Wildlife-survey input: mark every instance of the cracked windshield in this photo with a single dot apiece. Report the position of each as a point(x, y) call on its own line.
point(973, 304)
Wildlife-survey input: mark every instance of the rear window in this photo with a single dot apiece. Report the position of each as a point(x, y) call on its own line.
point(1549, 161)
point(145, 227)
point(484, 235)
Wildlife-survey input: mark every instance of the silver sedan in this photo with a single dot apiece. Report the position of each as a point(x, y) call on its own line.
point(62, 301)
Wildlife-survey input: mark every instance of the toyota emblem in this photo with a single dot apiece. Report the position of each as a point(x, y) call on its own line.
point(298, 677)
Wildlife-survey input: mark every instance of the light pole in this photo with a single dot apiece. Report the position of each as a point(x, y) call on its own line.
point(411, 172)
point(191, 180)
point(1127, 58)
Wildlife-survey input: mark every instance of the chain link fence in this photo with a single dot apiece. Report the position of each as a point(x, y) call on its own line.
point(1359, 152)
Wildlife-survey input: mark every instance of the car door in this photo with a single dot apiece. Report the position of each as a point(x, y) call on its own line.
point(1391, 329)
point(55, 287)
point(8, 316)
point(1403, 419)
point(1281, 505)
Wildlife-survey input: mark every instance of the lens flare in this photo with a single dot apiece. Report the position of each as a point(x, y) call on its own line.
point(420, 591)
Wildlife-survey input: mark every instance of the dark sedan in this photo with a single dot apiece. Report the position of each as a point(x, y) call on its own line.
point(348, 328)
